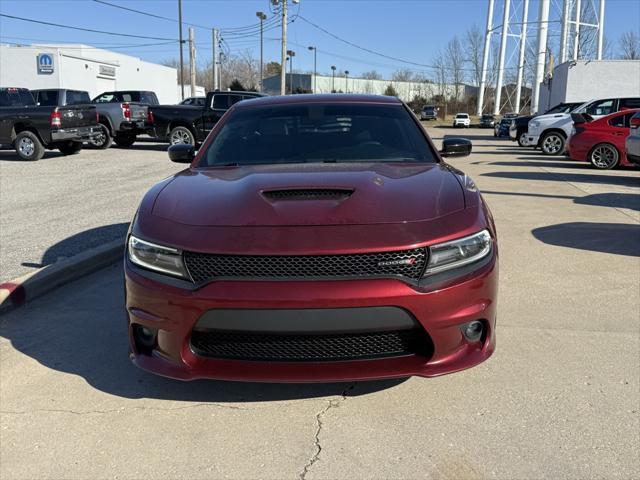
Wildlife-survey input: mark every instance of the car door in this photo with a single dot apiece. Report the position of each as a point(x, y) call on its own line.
point(620, 126)
point(212, 113)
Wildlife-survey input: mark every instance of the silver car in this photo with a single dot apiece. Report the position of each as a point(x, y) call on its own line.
point(632, 144)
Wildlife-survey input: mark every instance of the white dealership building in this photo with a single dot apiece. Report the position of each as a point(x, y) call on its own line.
point(82, 67)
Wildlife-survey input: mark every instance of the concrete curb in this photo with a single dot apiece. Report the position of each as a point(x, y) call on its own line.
point(16, 293)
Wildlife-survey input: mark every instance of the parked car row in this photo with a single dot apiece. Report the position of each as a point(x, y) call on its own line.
point(36, 120)
point(551, 131)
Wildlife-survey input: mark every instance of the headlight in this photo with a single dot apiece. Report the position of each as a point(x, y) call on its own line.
point(533, 125)
point(456, 253)
point(156, 257)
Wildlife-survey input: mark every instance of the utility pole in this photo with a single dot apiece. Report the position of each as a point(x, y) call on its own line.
point(315, 67)
point(501, 58)
point(485, 58)
point(283, 62)
point(523, 44)
point(192, 61)
point(216, 60)
point(543, 19)
point(262, 18)
point(180, 35)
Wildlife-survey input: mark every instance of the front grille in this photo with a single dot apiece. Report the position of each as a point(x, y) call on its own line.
point(297, 348)
point(205, 267)
point(308, 194)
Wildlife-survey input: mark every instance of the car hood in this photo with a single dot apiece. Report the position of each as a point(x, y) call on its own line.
point(287, 195)
point(552, 118)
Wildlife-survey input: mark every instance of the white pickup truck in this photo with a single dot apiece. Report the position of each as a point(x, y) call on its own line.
point(551, 132)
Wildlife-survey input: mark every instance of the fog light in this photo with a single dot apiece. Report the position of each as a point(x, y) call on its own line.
point(145, 337)
point(473, 331)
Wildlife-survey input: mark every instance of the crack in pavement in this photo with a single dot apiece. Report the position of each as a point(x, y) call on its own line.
point(316, 440)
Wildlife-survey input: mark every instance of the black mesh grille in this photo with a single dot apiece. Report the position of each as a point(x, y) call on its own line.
point(296, 348)
point(205, 267)
point(308, 194)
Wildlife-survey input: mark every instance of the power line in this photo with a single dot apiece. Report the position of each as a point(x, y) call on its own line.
point(368, 50)
point(148, 14)
point(85, 29)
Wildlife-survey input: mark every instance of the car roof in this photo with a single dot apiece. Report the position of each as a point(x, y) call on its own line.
point(311, 98)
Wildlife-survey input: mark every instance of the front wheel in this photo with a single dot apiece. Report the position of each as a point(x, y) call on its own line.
point(125, 140)
point(70, 148)
point(28, 146)
point(101, 140)
point(522, 139)
point(552, 143)
point(181, 135)
point(604, 156)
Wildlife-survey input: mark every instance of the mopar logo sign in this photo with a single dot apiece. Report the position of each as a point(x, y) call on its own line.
point(45, 63)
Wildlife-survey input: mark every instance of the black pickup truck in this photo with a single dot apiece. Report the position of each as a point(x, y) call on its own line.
point(31, 128)
point(191, 124)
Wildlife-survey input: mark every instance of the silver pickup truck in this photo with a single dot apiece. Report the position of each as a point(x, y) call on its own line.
point(122, 116)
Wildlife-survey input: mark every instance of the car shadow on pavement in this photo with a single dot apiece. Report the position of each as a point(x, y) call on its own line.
point(627, 181)
point(146, 146)
point(614, 200)
point(81, 242)
point(81, 329)
point(614, 238)
point(12, 156)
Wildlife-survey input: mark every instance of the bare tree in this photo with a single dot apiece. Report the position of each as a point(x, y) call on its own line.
point(371, 75)
point(474, 43)
point(454, 62)
point(402, 75)
point(440, 73)
point(629, 46)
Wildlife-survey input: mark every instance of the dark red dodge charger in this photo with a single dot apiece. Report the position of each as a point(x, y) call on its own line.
point(313, 238)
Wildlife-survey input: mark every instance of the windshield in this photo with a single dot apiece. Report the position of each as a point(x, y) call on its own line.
point(462, 115)
point(563, 108)
point(318, 133)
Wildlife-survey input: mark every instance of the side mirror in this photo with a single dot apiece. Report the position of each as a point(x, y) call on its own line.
point(455, 147)
point(182, 153)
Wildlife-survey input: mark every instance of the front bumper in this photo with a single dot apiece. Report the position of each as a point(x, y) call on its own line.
point(439, 310)
point(532, 139)
point(75, 134)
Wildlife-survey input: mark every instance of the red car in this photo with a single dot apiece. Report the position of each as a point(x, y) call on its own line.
point(313, 238)
point(601, 141)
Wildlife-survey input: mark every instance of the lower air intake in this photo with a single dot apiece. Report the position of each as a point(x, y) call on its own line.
point(319, 348)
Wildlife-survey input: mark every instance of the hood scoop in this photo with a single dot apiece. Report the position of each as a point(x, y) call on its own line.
point(307, 194)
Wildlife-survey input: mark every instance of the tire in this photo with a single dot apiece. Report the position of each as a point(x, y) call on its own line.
point(522, 139)
point(28, 146)
point(103, 140)
point(604, 156)
point(181, 135)
point(552, 143)
point(125, 140)
point(70, 148)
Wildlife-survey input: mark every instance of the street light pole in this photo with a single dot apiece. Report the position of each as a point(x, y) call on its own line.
point(346, 84)
point(262, 18)
point(315, 66)
point(291, 54)
point(283, 59)
point(333, 79)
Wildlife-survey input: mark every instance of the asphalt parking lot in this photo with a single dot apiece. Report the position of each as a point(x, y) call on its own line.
point(560, 398)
